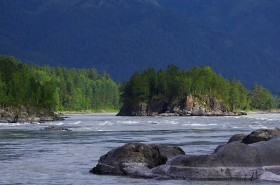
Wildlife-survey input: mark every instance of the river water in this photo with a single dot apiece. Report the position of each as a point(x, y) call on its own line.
point(29, 155)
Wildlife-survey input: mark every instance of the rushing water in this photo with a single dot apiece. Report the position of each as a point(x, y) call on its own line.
point(29, 155)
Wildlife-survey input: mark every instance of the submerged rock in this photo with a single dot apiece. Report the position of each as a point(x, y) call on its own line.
point(234, 160)
point(55, 128)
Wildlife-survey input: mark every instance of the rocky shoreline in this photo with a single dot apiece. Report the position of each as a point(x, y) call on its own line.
point(27, 115)
point(244, 157)
point(189, 106)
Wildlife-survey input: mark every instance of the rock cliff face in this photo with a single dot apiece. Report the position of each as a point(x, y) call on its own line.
point(235, 160)
point(189, 106)
point(24, 115)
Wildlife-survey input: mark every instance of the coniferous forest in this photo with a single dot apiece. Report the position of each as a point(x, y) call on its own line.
point(60, 89)
point(173, 84)
point(55, 89)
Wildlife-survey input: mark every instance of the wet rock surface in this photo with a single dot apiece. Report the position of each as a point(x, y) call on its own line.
point(261, 135)
point(236, 137)
point(234, 160)
point(135, 159)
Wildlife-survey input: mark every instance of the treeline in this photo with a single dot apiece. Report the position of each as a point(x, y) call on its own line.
point(173, 84)
point(56, 89)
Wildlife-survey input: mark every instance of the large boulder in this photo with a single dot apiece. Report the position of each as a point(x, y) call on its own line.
point(261, 135)
point(236, 137)
point(234, 160)
point(135, 159)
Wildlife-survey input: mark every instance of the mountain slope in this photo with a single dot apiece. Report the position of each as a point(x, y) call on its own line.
point(121, 36)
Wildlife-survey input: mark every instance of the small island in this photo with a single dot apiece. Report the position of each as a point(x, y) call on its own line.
point(196, 92)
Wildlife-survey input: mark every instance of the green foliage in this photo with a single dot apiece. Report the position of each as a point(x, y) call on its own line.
point(277, 99)
point(2, 93)
point(261, 98)
point(55, 88)
point(238, 96)
point(175, 84)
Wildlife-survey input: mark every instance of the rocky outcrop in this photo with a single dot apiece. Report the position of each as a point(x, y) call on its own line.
point(234, 160)
point(24, 115)
point(189, 106)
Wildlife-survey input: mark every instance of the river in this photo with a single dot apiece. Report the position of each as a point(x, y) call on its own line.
point(29, 155)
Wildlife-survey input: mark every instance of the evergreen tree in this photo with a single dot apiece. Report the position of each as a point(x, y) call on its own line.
point(261, 98)
point(55, 88)
point(173, 85)
point(3, 97)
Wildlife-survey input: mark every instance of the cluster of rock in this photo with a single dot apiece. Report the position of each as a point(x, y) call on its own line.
point(190, 106)
point(24, 115)
point(244, 157)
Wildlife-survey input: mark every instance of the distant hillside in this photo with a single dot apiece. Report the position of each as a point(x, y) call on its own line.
point(121, 36)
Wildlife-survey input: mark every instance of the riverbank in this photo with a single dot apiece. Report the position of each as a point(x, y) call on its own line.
point(28, 115)
point(33, 115)
point(273, 111)
point(110, 111)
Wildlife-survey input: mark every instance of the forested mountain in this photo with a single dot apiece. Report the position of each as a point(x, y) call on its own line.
point(55, 89)
point(121, 36)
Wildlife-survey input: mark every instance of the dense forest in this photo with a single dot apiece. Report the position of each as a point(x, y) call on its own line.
point(55, 89)
point(60, 89)
point(173, 84)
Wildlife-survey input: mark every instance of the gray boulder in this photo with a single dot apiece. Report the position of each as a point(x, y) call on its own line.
point(135, 159)
point(261, 135)
point(236, 137)
point(233, 161)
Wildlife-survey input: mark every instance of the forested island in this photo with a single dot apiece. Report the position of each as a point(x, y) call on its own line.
point(31, 93)
point(198, 92)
